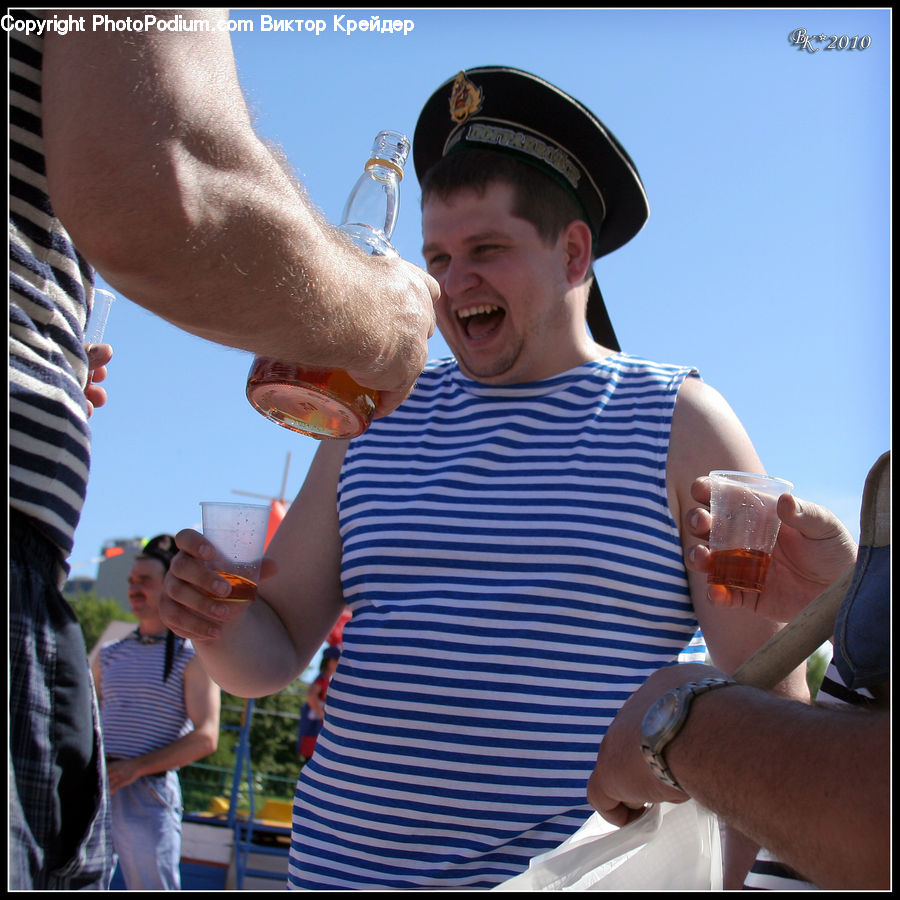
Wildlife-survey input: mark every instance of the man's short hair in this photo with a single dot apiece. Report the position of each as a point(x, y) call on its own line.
point(538, 198)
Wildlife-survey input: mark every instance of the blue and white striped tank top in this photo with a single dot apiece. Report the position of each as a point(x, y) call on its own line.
point(140, 712)
point(514, 574)
point(50, 290)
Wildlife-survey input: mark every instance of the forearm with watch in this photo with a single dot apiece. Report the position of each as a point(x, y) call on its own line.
point(809, 784)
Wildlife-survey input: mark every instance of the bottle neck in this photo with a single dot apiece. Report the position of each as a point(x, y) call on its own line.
point(376, 163)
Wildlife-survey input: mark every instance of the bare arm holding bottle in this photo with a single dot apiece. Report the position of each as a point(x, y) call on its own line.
point(155, 169)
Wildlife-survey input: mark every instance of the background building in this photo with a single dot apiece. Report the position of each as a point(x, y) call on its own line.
point(116, 558)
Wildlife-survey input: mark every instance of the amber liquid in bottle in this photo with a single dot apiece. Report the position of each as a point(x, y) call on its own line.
point(328, 402)
point(317, 402)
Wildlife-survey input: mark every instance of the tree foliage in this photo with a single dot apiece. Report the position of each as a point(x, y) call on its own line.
point(272, 741)
point(273, 731)
point(95, 613)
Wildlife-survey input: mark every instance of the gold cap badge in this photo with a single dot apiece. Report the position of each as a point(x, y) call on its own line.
point(465, 98)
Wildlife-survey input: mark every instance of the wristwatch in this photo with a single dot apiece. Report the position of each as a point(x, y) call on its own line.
point(666, 717)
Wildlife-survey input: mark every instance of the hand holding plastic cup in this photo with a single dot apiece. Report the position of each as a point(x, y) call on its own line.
point(96, 323)
point(745, 526)
point(238, 532)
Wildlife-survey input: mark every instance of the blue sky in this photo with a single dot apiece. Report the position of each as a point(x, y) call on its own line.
point(765, 262)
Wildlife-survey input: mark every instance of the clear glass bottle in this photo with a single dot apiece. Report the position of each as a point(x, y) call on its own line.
point(328, 402)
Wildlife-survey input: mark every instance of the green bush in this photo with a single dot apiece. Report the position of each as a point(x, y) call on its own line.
point(95, 613)
point(275, 764)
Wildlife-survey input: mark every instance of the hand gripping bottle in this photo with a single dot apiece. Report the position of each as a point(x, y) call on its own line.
point(328, 402)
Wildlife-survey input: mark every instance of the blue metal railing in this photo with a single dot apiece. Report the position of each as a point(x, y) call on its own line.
point(244, 830)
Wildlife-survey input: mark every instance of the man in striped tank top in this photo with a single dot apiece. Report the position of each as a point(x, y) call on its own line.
point(159, 711)
point(125, 145)
point(510, 540)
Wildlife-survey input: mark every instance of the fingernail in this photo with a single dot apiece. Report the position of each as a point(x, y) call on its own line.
point(222, 588)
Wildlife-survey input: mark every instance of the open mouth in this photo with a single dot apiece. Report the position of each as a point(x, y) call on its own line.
point(480, 321)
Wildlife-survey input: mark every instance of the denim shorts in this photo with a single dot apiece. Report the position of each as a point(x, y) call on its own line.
point(59, 823)
point(147, 814)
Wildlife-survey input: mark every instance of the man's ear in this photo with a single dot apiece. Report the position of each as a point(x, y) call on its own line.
point(578, 243)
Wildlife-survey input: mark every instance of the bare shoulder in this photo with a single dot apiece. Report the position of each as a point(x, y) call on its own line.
point(698, 398)
point(706, 434)
point(702, 414)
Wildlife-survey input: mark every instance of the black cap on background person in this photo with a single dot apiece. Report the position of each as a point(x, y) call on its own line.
point(162, 547)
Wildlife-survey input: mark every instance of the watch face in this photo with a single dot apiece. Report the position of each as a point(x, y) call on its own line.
point(659, 715)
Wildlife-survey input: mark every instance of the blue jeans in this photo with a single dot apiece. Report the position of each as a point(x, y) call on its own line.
point(146, 819)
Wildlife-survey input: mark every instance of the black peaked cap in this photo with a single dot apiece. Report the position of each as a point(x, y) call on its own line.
point(512, 111)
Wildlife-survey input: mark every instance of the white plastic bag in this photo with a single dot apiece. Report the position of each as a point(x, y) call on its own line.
point(672, 846)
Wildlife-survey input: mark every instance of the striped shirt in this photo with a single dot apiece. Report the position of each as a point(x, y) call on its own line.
point(139, 711)
point(50, 290)
point(514, 573)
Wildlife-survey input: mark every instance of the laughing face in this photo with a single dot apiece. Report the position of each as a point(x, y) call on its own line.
point(506, 308)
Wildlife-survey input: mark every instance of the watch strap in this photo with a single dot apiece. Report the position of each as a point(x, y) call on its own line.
point(655, 755)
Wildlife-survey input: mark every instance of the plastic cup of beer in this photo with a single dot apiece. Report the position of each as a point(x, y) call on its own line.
point(238, 532)
point(744, 528)
point(96, 323)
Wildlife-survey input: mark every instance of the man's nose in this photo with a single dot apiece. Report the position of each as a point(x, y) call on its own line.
point(458, 277)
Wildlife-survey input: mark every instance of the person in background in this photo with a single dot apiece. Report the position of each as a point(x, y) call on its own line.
point(159, 711)
point(510, 541)
point(132, 154)
point(313, 711)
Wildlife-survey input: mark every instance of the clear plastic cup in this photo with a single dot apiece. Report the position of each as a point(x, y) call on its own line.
point(96, 323)
point(745, 526)
point(238, 532)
